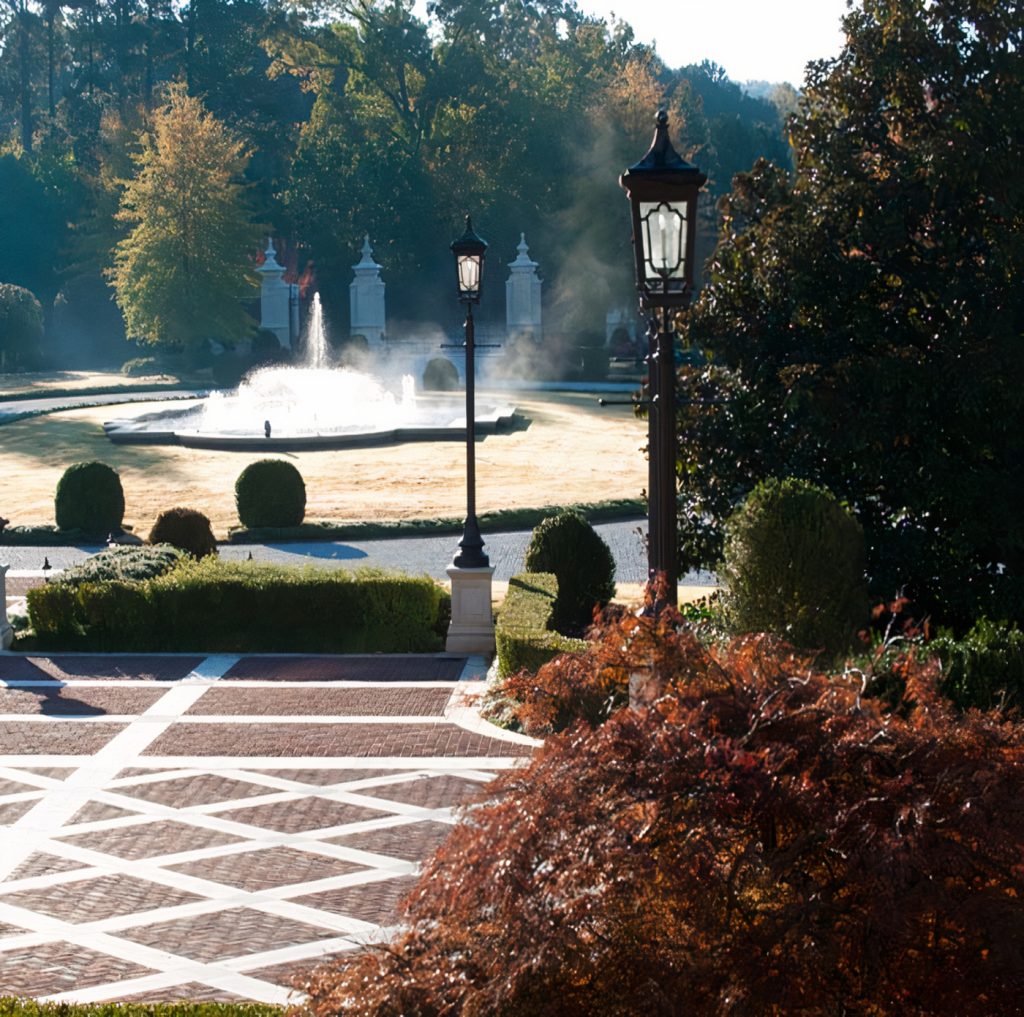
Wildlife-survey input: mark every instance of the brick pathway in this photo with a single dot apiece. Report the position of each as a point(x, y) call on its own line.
point(179, 827)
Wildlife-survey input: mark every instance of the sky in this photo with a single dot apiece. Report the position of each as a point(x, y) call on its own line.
point(754, 40)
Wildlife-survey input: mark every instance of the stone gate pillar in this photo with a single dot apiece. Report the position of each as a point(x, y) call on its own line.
point(366, 299)
point(522, 295)
point(274, 294)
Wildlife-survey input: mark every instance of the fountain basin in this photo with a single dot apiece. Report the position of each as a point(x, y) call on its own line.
point(426, 418)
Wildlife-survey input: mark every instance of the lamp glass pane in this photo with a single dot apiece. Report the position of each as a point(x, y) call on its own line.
point(469, 273)
point(663, 234)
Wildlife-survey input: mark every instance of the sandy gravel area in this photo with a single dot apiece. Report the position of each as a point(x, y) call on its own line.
point(573, 451)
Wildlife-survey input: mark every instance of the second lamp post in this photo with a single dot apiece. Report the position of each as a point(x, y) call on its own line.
point(662, 189)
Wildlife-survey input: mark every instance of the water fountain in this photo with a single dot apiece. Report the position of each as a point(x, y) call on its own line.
point(314, 405)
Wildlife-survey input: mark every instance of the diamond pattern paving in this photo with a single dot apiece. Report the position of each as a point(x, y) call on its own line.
point(302, 814)
point(411, 842)
point(153, 887)
point(402, 740)
point(267, 869)
point(181, 792)
point(235, 932)
point(58, 967)
point(92, 900)
point(374, 902)
point(145, 840)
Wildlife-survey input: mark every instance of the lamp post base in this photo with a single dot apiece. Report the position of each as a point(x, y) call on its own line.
point(472, 625)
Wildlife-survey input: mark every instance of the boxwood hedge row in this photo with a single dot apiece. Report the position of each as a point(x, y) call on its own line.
point(230, 607)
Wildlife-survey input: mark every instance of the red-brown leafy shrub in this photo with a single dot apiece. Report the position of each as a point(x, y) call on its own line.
point(760, 839)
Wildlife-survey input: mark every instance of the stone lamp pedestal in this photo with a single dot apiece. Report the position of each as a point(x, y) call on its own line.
point(472, 625)
point(6, 632)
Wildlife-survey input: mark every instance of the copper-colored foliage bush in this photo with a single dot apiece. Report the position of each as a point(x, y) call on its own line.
point(760, 839)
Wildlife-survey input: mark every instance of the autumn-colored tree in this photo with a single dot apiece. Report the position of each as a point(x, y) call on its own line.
point(758, 839)
point(181, 272)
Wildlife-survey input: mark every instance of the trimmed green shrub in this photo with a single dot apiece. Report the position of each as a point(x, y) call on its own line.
point(794, 567)
point(89, 498)
point(21, 326)
point(123, 563)
point(567, 545)
point(186, 529)
point(270, 492)
point(523, 633)
point(212, 605)
point(440, 375)
point(985, 669)
point(266, 348)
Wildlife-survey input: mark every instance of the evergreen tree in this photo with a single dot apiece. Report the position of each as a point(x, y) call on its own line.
point(864, 320)
point(181, 272)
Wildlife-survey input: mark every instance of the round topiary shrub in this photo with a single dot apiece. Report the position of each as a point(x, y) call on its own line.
point(270, 492)
point(794, 567)
point(185, 529)
point(567, 545)
point(440, 375)
point(89, 498)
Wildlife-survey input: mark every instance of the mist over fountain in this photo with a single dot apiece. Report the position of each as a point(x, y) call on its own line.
point(315, 404)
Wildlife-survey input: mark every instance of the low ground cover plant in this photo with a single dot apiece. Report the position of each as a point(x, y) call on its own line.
point(755, 837)
point(252, 607)
point(126, 564)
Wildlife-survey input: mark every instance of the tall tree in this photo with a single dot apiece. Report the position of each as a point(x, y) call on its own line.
point(180, 274)
point(864, 320)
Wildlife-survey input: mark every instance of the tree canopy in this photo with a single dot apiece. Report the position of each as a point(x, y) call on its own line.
point(359, 116)
point(861, 318)
point(181, 271)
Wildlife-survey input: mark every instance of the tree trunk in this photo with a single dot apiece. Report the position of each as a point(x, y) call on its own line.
point(25, 78)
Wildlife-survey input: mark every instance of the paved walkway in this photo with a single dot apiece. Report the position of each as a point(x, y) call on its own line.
point(209, 827)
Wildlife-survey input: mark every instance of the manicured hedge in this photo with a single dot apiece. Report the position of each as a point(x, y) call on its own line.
point(232, 607)
point(522, 635)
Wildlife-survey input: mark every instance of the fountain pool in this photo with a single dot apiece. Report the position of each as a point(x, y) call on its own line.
point(312, 406)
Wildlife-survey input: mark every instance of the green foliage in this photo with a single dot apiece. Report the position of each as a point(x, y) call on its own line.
point(179, 273)
point(856, 316)
point(127, 563)
point(228, 369)
point(21, 326)
point(266, 348)
point(985, 669)
point(794, 567)
point(211, 605)
point(186, 529)
point(270, 492)
point(440, 375)
point(567, 545)
point(523, 630)
point(89, 498)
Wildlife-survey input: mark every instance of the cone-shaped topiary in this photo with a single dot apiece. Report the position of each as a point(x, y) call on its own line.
point(186, 529)
point(270, 492)
point(794, 567)
point(567, 545)
point(90, 498)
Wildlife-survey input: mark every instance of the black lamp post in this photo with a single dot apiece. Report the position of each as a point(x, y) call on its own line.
point(469, 266)
point(662, 189)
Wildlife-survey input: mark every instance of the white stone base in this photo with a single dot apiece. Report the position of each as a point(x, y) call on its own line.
point(472, 626)
point(6, 632)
